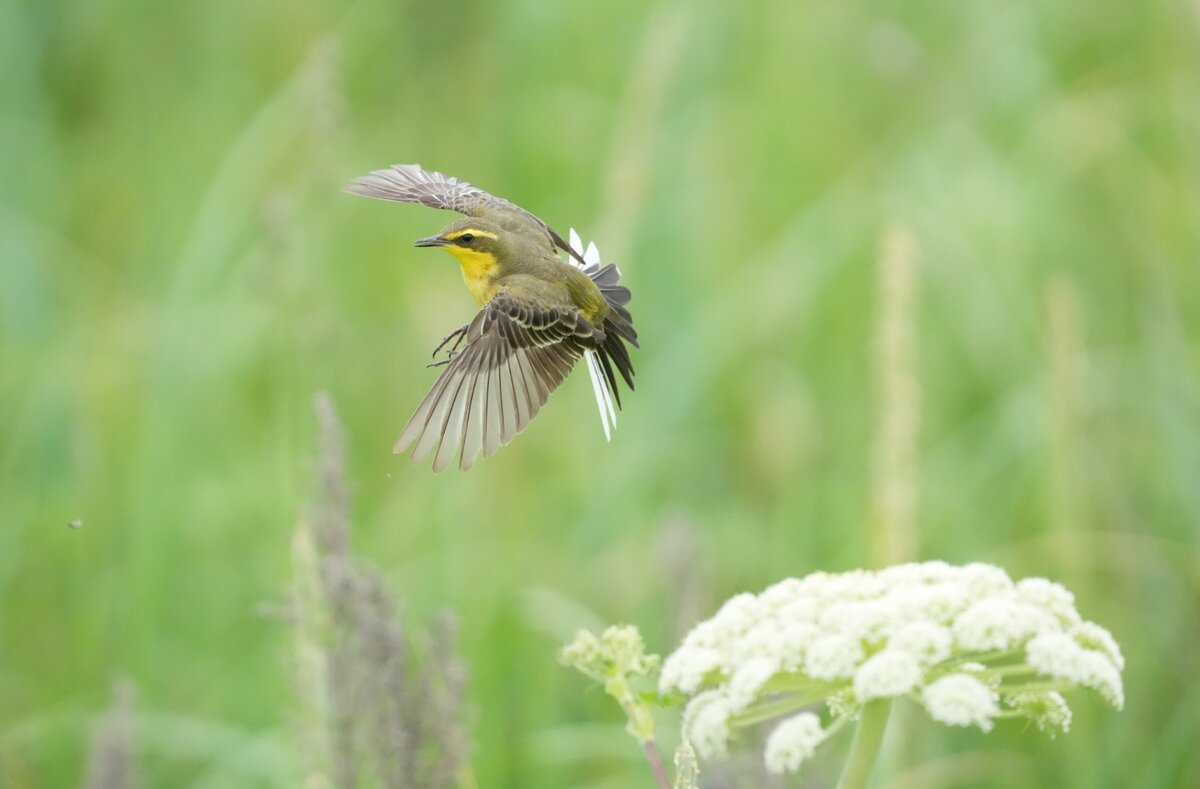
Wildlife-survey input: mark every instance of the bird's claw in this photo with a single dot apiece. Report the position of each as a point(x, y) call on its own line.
point(457, 336)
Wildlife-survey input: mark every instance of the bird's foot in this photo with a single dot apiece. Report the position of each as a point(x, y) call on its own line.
point(458, 335)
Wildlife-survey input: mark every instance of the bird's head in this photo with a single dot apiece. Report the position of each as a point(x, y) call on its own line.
point(472, 240)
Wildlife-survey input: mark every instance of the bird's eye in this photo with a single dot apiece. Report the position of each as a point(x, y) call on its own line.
point(466, 238)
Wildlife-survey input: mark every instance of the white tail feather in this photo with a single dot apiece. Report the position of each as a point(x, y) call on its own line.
point(604, 399)
point(600, 388)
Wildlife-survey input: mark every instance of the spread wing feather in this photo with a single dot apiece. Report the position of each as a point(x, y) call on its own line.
point(516, 354)
point(411, 183)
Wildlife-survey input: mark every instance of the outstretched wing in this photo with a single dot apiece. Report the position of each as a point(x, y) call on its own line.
point(516, 354)
point(411, 183)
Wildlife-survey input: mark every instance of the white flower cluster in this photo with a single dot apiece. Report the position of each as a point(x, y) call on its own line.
point(966, 643)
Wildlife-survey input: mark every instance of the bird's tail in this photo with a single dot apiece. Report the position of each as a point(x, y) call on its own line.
point(618, 330)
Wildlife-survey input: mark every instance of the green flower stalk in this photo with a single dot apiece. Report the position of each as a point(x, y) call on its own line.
point(617, 659)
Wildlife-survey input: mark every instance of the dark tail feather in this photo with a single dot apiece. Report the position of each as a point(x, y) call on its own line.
point(608, 374)
point(614, 349)
point(618, 329)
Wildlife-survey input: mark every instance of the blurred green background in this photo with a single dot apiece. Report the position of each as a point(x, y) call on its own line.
point(179, 273)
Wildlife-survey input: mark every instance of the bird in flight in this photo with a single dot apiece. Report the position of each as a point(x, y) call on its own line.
point(539, 315)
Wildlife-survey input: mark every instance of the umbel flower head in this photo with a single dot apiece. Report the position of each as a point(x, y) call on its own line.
point(966, 643)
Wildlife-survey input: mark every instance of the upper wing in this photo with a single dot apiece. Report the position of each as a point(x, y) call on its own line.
point(410, 183)
point(516, 354)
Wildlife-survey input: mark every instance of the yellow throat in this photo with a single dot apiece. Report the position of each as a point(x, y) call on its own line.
point(479, 271)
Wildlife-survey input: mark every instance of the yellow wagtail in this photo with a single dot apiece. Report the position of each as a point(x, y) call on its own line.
point(539, 315)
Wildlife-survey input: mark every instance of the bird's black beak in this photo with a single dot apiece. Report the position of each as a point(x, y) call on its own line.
point(432, 241)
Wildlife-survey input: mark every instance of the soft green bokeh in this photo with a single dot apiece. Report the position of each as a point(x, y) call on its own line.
point(179, 273)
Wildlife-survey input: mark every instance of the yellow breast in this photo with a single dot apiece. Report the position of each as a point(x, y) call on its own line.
point(479, 270)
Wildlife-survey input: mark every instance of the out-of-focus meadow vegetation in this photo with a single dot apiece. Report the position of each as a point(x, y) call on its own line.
point(932, 265)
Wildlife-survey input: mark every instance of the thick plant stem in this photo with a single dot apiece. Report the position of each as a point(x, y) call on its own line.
point(641, 726)
point(650, 748)
point(867, 740)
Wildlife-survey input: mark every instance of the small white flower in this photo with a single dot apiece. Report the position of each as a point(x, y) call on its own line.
point(1000, 622)
point(781, 593)
point(1060, 656)
point(938, 603)
point(793, 742)
point(1048, 710)
point(1091, 636)
point(1049, 596)
point(833, 657)
point(984, 580)
point(625, 648)
point(866, 620)
point(842, 703)
point(704, 634)
point(792, 642)
point(888, 673)
point(961, 700)
point(706, 724)
point(799, 610)
point(748, 680)
point(927, 642)
point(853, 585)
point(583, 652)
point(738, 614)
point(760, 641)
point(686, 669)
point(918, 573)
